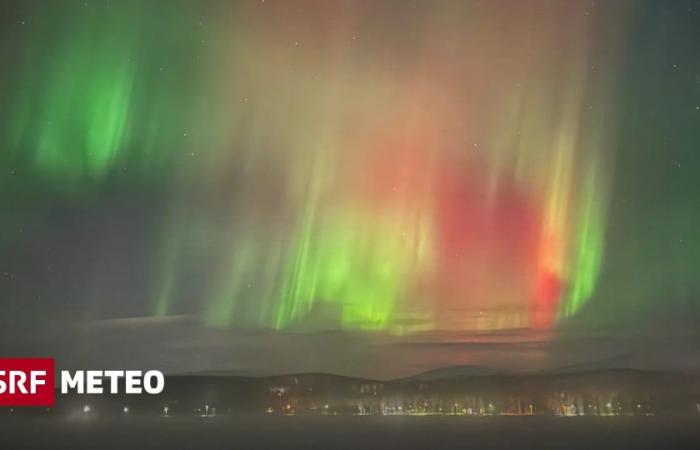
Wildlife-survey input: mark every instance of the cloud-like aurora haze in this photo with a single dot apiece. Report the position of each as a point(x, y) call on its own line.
point(306, 166)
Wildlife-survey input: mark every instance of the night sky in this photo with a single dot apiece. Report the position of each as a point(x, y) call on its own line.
point(365, 188)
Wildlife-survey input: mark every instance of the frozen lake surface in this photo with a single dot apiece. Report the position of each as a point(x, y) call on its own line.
point(328, 433)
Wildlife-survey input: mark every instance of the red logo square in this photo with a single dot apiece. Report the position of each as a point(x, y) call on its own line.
point(27, 382)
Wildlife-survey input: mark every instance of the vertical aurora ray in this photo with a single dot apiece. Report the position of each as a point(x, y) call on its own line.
point(587, 259)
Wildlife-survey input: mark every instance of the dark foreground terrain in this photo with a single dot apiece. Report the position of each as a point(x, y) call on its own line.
point(328, 433)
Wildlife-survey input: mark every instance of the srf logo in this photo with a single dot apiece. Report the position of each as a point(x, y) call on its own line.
point(27, 382)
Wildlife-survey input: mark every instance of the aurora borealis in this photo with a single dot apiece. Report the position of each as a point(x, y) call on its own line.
point(397, 169)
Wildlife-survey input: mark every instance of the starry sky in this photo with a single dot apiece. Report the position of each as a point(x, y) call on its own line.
point(368, 188)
